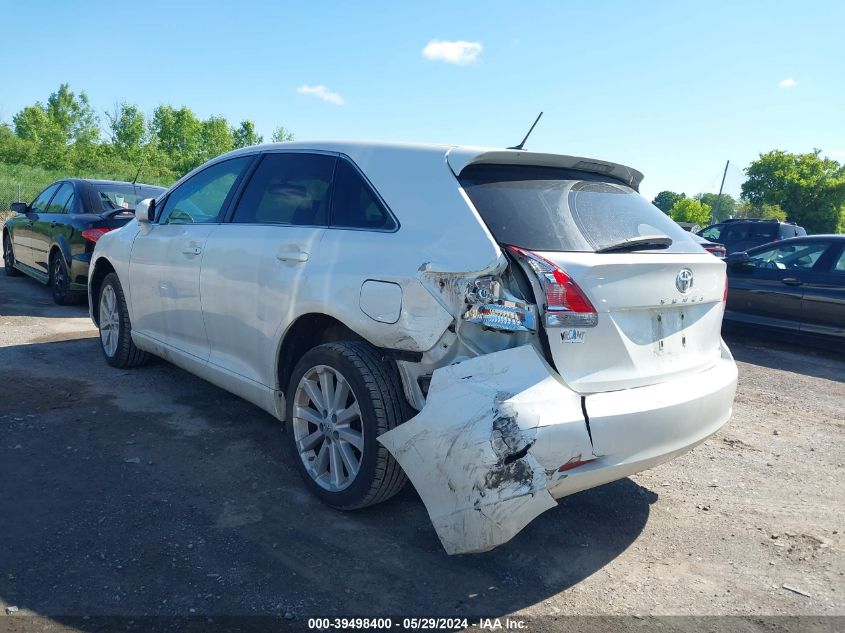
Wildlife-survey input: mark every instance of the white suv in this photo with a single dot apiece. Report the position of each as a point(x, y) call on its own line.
point(502, 327)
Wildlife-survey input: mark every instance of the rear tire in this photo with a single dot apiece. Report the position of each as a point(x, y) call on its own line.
point(9, 257)
point(115, 327)
point(60, 282)
point(329, 434)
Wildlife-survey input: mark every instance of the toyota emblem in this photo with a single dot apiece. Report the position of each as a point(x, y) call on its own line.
point(683, 281)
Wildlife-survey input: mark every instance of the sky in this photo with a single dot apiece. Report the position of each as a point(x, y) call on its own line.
point(673, 89)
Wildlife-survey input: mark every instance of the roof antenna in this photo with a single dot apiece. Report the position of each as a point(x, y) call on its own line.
point(522, 145)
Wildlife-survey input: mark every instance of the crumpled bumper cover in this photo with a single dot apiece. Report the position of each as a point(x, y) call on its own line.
point(484, 453)
point(473, 453)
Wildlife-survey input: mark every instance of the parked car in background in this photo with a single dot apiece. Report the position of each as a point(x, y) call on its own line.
point(711, 247)
point(52, 239)
point(792, 287)
point(691, 227)
point(742, 234)
point(497, 298)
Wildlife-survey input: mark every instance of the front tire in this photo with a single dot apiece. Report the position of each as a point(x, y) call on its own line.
point(9, 257)
point(341, 397)
point(115, 327)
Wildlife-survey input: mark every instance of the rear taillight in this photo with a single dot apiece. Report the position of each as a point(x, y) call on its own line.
point(718, 251)
point(575, 462)
point(725, 293)
point(566, 304)
point(92, 235)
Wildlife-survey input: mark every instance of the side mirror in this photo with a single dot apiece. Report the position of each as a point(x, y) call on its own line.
point(735, 259)
point(19, 207)
point(145, 210)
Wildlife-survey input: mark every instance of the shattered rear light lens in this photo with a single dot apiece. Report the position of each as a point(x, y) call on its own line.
point(92, 235)
point(493, 307)
point(566, 303)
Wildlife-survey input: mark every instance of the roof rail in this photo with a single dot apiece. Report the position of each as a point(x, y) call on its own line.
point(755, 220)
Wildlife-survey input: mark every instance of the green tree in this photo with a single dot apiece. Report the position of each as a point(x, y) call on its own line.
point(689, 210)
point(665, 200)
point(245, 135)
point(178, 134)
point(47, 142)
point(215, 138)
point(726, 206)
point(128, 130)
point(809, 188)
point(744, 209)
point(282, 135)
point(14, 149)
point(73, 115)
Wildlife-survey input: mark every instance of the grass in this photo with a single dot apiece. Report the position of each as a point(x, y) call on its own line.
point(27, 182)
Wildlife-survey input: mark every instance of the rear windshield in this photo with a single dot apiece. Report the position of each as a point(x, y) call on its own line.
point(551, 209)
point(124, 196)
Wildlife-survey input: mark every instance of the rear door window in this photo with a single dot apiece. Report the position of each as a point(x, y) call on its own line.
point(712, 233)
point(839, 266)
point(355, 204)
point(39, 205)
point(789, 256)
point(762, 232)
point(735, 233)
point(59, 202)
point(289, 188)
point(553, 209)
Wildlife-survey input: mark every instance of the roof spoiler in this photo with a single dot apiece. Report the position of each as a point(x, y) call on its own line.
point(459, 158)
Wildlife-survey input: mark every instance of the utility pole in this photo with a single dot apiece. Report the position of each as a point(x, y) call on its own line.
point(714, 217)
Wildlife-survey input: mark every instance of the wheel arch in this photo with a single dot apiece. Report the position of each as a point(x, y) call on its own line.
point(61, 246)
point(306, 332)
point(102, 268)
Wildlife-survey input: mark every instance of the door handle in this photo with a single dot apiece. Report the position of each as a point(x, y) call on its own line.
point(791, 281)
point(191, 250)
point(292, 255)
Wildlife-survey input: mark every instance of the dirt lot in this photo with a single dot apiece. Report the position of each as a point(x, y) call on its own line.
point(152, 492)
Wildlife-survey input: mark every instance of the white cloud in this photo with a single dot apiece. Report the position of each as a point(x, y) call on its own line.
point(321, 92)
point(459, 52)
point(787, 83)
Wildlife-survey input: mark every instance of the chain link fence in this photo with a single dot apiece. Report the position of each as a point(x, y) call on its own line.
point(14, 191)
point(10, 192)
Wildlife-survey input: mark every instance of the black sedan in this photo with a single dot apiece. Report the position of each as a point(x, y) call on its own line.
point(52, 239)
point(794, 287)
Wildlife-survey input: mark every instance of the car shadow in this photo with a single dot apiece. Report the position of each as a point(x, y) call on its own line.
point(795, 358)
point(22, 296)
point(152, 492)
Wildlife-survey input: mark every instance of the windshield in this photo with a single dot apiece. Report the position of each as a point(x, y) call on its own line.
point(553, 209)
point(124, 196)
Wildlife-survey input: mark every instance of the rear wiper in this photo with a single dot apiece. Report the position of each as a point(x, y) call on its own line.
point(642, 242)
point(112, 212)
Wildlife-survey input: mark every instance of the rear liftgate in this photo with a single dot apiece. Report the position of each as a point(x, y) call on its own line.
point(494, 432)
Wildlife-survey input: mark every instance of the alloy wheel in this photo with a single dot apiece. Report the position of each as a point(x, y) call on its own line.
point(8, 253)
point(60, 280)
point(109, 320)
point(327, 428)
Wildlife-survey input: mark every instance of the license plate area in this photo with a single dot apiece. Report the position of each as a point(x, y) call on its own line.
point(670, 332)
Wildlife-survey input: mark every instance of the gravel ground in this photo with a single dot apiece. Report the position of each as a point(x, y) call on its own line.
point(152, 492)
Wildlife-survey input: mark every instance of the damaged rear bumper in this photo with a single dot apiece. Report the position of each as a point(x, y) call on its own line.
point(485, 452)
